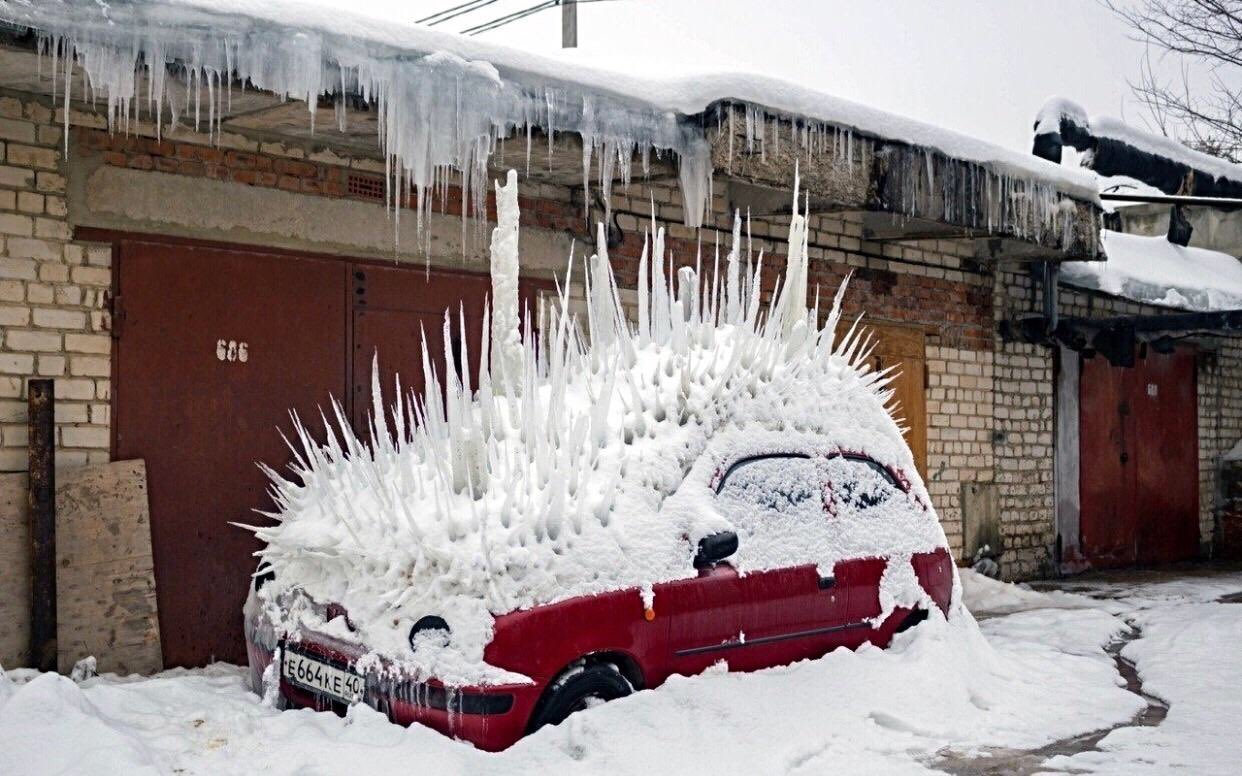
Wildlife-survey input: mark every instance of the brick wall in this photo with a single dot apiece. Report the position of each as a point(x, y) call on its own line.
point(1023, 437)
point(52, 296)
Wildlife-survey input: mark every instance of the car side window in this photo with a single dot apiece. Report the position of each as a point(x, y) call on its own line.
point(771, 486)
point(858, 486)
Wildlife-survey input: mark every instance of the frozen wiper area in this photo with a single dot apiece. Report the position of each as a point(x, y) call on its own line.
point(445, 104)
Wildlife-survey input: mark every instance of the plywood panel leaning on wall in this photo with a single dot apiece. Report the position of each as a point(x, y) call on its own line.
point(14, 572)
point(105, 579)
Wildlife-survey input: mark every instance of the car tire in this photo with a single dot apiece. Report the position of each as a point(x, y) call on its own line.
point(576, 688)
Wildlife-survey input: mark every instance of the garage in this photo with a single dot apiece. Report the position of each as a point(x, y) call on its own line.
point(1139, 459)
point(214, 345)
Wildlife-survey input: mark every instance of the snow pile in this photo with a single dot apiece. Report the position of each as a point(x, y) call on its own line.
point(891, 711)
point(1186, 656)
point(580, 462)
point(985, 596)
point(1156, 271)
point(75, 736)
point(445, 103)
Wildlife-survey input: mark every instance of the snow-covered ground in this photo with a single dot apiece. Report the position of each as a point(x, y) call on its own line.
point(1042, 676)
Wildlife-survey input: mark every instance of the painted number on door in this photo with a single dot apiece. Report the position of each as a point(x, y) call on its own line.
point(232, 350)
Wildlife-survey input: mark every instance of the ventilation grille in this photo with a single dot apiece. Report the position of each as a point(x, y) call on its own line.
point(365, 186)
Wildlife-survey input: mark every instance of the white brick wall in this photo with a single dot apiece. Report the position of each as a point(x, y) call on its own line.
point(1023, 438)
point(52, 296)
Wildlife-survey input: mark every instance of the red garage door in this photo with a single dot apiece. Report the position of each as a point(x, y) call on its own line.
point(392, 309)
point(1139, 460)
point(215, 346)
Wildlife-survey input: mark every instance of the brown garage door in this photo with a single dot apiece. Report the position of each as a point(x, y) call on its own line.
point(393, 307)
point(216, 344)
point(904, 347)
point(1139, 460)
point(215, 347)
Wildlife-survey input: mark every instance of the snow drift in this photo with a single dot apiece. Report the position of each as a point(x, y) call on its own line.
point(579, 461)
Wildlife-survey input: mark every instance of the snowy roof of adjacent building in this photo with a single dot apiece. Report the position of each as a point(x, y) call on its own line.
point(1155, 271)
point(279, 33)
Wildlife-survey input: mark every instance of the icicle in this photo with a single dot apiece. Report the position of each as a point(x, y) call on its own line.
point(507, 355)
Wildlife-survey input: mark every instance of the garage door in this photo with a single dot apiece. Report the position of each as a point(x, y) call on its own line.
point(215, 346)
point(1139, 460)
point(903, 347)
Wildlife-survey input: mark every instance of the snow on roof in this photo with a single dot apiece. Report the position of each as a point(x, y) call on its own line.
point(1124, 184)
point(445, 99)
point(1058, 111)
point(575, 465)
point(1155, 271)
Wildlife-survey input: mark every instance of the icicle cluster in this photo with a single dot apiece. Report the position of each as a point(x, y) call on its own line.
point(561, 467)
point(922, 182)
point(441, 117)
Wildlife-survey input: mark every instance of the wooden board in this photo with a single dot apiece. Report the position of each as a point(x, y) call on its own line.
point(104, 576)
point(14, 572)
point(105, 580)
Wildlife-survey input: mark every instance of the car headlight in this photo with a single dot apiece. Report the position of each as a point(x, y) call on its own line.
point(431, 622)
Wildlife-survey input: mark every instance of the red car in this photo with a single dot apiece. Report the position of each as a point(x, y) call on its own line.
point(602, 647)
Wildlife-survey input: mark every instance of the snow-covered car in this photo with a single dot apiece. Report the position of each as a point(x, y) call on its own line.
point(721, 484)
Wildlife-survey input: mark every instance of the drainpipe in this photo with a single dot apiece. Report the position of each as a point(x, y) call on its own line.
point(1050, 274)
point(41, 501)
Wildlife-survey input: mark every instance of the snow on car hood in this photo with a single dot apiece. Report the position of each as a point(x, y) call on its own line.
point(578, 460)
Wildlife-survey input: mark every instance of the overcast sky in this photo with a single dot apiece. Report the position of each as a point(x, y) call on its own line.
point(983, 67)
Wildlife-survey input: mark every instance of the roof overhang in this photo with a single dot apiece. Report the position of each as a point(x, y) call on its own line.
point(434, 102)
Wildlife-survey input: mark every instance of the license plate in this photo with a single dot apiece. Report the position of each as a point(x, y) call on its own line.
point(318, 676)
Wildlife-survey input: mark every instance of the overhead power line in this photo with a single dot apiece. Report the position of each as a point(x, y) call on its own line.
point(452, 13)
point(509, 18)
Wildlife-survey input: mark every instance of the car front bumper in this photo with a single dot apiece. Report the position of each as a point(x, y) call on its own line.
point(491, 718)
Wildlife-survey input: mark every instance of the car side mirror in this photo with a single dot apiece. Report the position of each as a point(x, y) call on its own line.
point(715, 548)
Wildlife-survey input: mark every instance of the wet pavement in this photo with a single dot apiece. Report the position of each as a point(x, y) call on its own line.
point(1110, 586)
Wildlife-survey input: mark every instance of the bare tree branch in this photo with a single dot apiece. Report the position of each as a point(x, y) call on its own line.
point(1207, 33)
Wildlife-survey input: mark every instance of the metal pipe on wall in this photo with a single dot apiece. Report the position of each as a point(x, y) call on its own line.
point(41, 500)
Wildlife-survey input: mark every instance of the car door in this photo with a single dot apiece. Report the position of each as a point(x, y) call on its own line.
point(860, 491)
point(789, 612)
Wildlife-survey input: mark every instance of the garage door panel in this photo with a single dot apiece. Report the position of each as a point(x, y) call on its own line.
point(1138, 463)
point(1168, 452)
point(1108, 474)
point(217, 346)
point(395, 307)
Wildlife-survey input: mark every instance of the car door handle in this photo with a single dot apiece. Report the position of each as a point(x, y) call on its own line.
point(827, 583)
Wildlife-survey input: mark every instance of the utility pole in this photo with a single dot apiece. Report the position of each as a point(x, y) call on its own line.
point(569, 23)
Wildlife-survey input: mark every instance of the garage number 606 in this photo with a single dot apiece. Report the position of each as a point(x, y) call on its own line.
point(232, 350)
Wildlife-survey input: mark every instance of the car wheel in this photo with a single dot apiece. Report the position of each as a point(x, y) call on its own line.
point(580, 688)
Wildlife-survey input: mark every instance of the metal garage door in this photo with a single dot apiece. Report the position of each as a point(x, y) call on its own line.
point(215, 346)
point(1139, 460)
